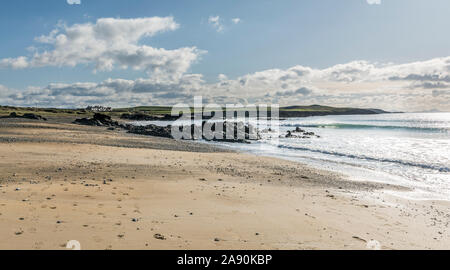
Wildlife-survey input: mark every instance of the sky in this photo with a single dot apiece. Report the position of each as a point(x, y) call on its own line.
point(387, 54)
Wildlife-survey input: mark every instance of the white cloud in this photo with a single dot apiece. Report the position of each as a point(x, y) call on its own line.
point(222, 77)
point(15, 63)
point(374, 2)
point(236, 20)
point(111, 43)
point(74, 2)
point(4, 91)
point(216, 23)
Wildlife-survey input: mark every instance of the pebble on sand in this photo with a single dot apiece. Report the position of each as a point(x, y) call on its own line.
point(159, 236)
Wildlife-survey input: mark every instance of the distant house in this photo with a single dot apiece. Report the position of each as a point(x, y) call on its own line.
point(99, 109)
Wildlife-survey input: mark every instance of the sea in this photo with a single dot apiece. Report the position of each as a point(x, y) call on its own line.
point(407, 149)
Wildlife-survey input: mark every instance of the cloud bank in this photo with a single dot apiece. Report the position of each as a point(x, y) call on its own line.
point(408, 87)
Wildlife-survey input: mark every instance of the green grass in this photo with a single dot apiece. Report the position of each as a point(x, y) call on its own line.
point(150, 110)
point(314, 108)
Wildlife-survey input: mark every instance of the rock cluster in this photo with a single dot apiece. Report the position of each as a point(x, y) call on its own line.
point(31, 116)
point(100, 120)
point(238, 132)
point(145, 117)
point(300, 134)
point(241, 133)
point(150, 130)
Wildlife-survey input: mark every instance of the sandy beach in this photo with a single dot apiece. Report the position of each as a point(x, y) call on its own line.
point(112, 190)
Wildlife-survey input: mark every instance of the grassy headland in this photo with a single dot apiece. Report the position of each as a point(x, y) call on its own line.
point(285, 112)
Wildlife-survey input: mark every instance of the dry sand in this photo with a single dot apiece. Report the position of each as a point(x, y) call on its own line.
point(111, 190)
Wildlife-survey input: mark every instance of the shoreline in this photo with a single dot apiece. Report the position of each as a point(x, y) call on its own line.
point(55, 180)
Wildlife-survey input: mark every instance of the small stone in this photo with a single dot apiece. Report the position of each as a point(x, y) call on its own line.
point(159, 236)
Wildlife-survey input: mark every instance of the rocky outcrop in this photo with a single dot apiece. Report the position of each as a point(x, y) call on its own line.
point(31, 116)
point(240, 133)
point(300, 134)
point(237, 132)
point(151, 130)
point(145, 117)
point(99, 120)
point(234, 132)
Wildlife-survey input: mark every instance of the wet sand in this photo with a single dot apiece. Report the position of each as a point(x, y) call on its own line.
point(112, 190)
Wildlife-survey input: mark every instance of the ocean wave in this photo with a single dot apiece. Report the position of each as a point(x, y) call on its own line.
point(366, 126)
point(363, 157)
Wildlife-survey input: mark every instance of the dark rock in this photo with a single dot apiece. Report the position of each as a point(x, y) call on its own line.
point(102, 118)
point(300, 134)
point(234, 132)
point(151, 130)
point(298, 129)
point(145, 117)
point(159, 236)
point(31, 116)
point(98, 120)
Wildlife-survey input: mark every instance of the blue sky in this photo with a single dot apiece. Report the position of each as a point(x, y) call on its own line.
point(317, 34)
